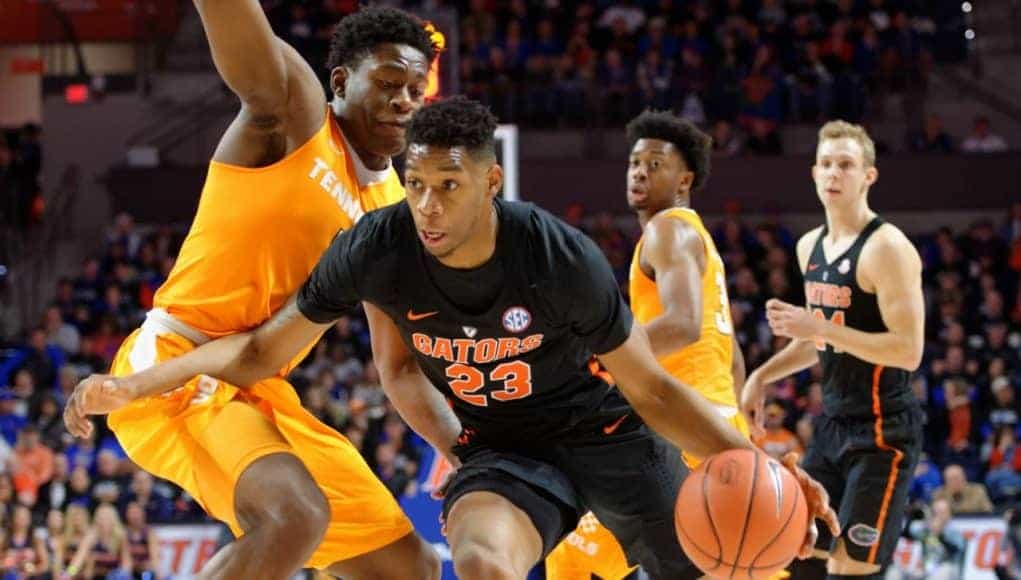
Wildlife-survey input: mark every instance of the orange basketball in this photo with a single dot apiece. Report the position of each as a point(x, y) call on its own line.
point(741, 514)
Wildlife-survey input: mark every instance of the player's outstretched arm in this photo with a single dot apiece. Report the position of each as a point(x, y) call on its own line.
point(240, 359)
point(675, 253)
point(674, 410)
point(891, 265)
point(420, 404)
point(248, 56)
point(686, 419)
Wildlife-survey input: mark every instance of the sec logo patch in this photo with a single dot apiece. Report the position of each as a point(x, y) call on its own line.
point(516, 319)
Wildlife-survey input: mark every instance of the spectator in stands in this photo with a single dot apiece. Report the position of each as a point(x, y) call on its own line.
point(104, 551)
point(393, 471)
point(24, 554)
point(10, 421)
point(109, 485)
point(943, 548)
point(46, 418)
point(80, 487)
point(37, 356)
point(123, 234)
point(982, 140)
point(964, 497)
point(1004, 477)
point(926, 481)
point(55, 494)
point(52, 535)
point(157, 506)
point(60, 333)
point(77, 524)
point(88, 286)
point(142, 543)
point(727, 142)
point(35, 462)
point(933, 138)
point(777, 440)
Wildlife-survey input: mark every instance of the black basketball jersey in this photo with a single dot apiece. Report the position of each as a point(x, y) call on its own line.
point(516, 370)
point(851, 387)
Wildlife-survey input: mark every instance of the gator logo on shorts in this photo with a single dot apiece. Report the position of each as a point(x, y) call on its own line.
point(863, 535)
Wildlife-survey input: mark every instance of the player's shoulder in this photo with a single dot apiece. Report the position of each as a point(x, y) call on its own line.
point(675, 219)
point(805, 244)
point(809, 238)
point(889, 244)
point(546, 234)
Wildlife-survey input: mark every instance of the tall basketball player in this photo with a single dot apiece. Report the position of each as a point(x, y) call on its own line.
point(289, 172)
point(678, 294)
point(864, 322)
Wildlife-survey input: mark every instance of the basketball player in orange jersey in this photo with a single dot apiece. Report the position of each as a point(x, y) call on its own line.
point(864, 322)
point(678, 293)
point(289, 173)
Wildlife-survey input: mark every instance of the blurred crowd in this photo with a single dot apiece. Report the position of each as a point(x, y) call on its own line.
point(749, 64)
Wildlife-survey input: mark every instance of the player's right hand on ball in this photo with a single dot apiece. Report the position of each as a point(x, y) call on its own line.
point(818, 500)
point(96, 395)
point(753, 400)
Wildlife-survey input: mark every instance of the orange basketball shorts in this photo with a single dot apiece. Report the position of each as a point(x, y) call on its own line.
point(203, 435)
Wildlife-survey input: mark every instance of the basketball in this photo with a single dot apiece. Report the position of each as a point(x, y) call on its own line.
point(741, 514)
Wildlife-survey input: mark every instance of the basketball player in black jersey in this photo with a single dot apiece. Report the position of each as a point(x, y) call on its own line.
point(499, 306)
point(864, 318)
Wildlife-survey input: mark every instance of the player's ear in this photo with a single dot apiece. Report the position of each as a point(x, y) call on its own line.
point(871, 175)
point(494, 177)
point(687, 178)
point(338, 81)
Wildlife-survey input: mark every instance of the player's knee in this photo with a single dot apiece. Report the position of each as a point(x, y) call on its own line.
point(278, 492)
point(480, 562)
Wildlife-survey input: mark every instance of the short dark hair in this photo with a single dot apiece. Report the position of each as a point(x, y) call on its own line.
point(694, 146)
point(454, 122)
point(358, 33)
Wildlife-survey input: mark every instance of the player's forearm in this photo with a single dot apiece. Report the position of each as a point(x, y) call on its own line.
point(234, 359)
point(881, 348)
point(425, 410)
point(795, 357)
point(668, 335)
point(685, 418)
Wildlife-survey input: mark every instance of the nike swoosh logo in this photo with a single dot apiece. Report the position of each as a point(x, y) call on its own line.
point(609, 429)
point(413, 317)
point(812, 267)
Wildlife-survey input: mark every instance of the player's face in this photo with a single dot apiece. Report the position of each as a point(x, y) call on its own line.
point(841, 177)
point(450, 193)
point(656, 175)
point(380, 93)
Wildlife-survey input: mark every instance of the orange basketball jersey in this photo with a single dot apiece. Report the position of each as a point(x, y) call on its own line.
point(259, 232)
point(705, 364)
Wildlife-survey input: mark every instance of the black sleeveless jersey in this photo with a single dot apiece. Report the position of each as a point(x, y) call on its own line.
point(852, 387)
point(516, 370)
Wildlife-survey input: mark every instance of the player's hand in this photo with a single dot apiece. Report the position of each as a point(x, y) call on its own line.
point(791, 321)
point(818, 505)
point(96, 395)
point(753, 400)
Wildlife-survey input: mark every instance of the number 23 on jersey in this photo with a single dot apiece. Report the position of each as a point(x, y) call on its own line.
point(466, 381)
